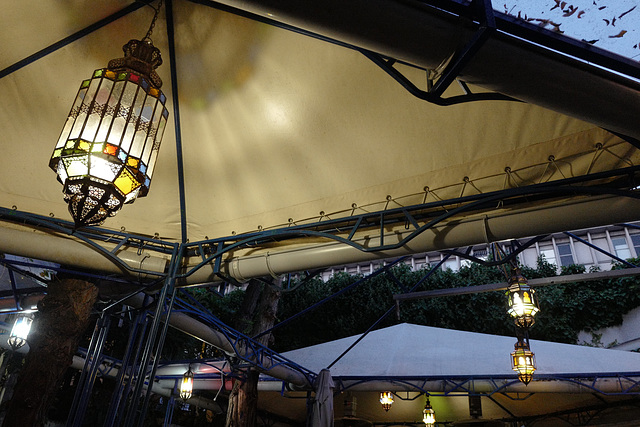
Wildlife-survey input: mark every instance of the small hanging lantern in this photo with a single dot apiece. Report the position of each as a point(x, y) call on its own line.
point(386, 399)
point(428, 415)
point(186, 386)
point(523, 304)
point(523, 361)
point(106, 153)
point(20, 332)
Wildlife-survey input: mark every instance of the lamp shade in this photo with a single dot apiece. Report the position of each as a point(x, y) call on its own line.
point(107, 151)
point(186, 385)
point(522, 300)
point(386, 400)
point(428, 415)
point(523, 361)
point(19, 332)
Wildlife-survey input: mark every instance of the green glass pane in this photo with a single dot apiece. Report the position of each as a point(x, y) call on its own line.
point(85, 84)
point(97, 73)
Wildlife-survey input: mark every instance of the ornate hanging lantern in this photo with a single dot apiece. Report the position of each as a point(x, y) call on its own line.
point(523, 361)
point(186, 386)
point(386, 399)
point(428, 415)
point(106, 153)
point(20, 332)
point(523, 304)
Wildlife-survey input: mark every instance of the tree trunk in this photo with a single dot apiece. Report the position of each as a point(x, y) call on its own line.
point(63, 316)
point(243, 400)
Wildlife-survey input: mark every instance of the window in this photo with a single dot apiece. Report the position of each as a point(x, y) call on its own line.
point(621, 248)
point(566, 257)
point(635, 239)
point(548, 255)
point(451, 263)
point(484, 254)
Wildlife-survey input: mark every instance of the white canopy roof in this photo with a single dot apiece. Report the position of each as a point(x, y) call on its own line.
point(407, 350)
point(410, 359)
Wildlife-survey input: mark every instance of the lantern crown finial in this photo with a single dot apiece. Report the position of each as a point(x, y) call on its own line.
point(141, 56)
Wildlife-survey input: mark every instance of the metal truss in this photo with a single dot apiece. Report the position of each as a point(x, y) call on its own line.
point(628, 384)
point(97, 238)
point(516, 248)
point(438, 82)
point(488, 22)
point(247, 351)
point(416, 219)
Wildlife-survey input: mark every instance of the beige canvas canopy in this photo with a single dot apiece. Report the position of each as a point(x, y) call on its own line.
point(278, 128)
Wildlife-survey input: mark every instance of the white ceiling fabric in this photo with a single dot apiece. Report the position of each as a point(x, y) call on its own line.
point(275, 125)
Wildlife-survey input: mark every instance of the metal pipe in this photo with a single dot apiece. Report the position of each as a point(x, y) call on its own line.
point(65, 250)
point(493, 226)
point(217, 339)
point(78, 363)
point(513, 61)
point(607, 385)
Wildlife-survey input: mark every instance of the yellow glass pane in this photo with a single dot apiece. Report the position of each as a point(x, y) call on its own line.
point(84, 145)
point(70, 144)
point(134, 163)
point(125, 182)
point(97, 147)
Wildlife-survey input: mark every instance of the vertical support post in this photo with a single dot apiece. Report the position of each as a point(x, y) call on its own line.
point(152, 348)
point(176, 118)
point(89, 372)
point(123, 383)
point(168, 415)
point(12, 280)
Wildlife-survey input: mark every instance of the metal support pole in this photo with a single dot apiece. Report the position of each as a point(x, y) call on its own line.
point(168, 415)
point(123, 383)
point(176, 118)
point(89, 372)
point(152, 348)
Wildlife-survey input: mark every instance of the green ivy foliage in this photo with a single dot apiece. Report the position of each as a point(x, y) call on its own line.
point(565, 309)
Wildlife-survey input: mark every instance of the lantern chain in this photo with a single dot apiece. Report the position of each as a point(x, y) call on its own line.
point(153, 21)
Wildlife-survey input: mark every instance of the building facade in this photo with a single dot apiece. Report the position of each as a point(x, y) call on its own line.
point(591, 248)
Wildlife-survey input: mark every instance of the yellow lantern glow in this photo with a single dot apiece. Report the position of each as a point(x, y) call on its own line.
point(386, 399)
point(523, 304)
point(428, 415)
point(106, 153)
point(523, 361)
point(186, 386)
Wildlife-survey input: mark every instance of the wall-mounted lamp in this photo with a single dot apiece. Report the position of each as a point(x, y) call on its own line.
point(386, 400)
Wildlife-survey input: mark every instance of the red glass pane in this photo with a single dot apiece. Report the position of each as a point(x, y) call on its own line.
point(134, 78)
point(110, 149)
